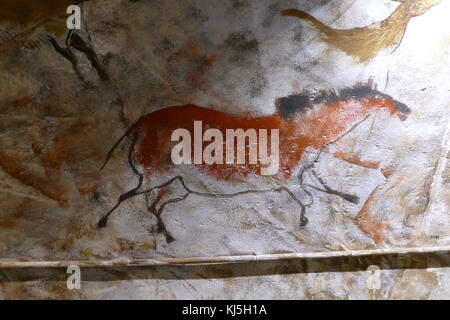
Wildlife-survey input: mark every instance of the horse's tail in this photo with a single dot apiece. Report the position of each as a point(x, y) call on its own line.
point(307, 17)
point(111, 151)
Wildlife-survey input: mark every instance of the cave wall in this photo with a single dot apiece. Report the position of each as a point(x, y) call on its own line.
point(65, 100)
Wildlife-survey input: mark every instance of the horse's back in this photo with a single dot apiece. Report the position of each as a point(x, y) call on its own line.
point(185, 115)
point(154, 147)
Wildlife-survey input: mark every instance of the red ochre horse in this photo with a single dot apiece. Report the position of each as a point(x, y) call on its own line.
point(305, 121)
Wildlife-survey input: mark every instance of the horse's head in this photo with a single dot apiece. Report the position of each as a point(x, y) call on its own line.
point(374, 100)
point(368, 100)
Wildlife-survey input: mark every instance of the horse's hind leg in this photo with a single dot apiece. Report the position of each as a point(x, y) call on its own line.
point(103, 222)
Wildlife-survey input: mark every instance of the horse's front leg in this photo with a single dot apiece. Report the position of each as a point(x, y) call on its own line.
point(353, 159)
point(346, 196)
point(310, 167)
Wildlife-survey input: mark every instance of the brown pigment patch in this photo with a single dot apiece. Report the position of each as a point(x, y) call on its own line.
point(86, 253)
point(12, 164)
point(147, 246)
point(364, 43)
point(353, 159)
point(368, 224)
point(27, 13)
point(387, 172)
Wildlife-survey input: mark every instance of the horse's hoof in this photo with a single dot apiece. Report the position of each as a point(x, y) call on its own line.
point(102, 223)
point(169, 238)
point(303, 221)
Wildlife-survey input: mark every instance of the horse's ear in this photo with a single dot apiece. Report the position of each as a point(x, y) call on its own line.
point(371, 84)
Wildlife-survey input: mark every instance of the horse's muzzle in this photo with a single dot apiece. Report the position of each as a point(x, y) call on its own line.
point(403, 110)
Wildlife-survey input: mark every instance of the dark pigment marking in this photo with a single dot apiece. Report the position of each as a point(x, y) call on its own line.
point(75, 41)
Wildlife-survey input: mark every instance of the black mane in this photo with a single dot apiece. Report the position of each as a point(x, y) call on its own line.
point(302, 102)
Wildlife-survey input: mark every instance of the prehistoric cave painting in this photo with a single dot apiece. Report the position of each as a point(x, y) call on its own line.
point(74, 41)
point(30, 15)
point(364, 43)
point(62, 148)
point(37, 19)
point(305, 122)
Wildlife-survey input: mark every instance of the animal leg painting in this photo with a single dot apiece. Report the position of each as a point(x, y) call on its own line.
point(157, 212)
point(161, 228)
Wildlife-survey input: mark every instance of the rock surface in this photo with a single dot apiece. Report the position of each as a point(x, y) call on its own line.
point(61, 109)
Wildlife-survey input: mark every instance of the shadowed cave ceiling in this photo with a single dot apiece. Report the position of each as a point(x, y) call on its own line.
point(358, 89)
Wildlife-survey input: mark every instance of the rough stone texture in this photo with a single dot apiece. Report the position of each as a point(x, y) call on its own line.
point(59, 119)
point(401, 277)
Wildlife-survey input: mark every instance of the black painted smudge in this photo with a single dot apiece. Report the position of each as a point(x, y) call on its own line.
point(300, 103)
point(242, 41)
